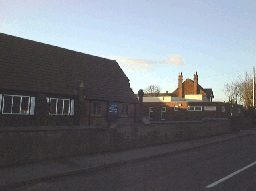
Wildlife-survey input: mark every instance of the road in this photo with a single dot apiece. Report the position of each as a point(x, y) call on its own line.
point(222, 166)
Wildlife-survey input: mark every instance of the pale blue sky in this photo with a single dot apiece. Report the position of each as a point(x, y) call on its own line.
point(152, 40)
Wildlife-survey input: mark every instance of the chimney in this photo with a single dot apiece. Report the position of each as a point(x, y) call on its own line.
point(180, 87)
point(196, 83)
point(140, 95)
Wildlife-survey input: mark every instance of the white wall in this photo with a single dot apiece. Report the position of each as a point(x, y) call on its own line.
point(157, 99)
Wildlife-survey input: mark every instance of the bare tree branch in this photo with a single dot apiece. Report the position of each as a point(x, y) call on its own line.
point(153, 90)
point(240, 90)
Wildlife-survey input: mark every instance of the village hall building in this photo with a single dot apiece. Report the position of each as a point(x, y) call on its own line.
point(46, 85)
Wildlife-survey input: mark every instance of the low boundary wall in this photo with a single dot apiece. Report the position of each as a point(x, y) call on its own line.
point(24, 145)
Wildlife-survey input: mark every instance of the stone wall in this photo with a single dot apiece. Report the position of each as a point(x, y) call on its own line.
point(20, 145)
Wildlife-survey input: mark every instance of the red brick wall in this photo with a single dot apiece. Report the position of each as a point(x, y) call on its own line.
point(183, 114)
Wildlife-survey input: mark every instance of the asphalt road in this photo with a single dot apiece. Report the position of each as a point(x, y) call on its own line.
point(192, 170)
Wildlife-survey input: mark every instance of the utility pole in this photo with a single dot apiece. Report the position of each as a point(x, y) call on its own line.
point(253, 88)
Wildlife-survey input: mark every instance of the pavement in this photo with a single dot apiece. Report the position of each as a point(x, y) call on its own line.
point(34, 173)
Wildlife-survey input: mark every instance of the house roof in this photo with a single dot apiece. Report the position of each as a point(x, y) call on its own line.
point(157, 94)
point(32, 66)
point(188, 87)
point(209, 92)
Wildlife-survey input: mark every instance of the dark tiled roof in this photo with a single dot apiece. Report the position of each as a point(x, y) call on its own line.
point(209, 92)
point(33, 66)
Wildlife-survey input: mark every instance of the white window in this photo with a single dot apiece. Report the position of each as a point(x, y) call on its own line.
point(195, 108)
point(32, 105)
point(17, 104)
point(1, 102)
point(191, 108)
point(58, 106)
point(150, 113)
point(72, 109)
point(163, 109)
point(223, 109)
point(210, 108)
point(163, 113)
point(198, 108)
point(176, 108)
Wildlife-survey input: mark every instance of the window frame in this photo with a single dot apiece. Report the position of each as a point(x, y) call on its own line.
point(30, 108)
point(1, 97)
point(70, 106)
point(194, 108)
point(32, 105)
point(175, 108)
point(163, 111)
point(150, 110)
point(28, 105)
point(201, 108)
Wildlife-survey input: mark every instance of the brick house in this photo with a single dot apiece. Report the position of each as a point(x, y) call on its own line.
point(190, 89)
point(189, 101)
point(46, 85)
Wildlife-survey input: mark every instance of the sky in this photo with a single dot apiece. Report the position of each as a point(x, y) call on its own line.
point(151, 40)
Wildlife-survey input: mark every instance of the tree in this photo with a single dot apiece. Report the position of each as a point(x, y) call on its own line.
point(231, 90)
point(152, 90)
point(241, 90)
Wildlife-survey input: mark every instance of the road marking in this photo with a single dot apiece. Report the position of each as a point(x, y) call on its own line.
point(230, 176)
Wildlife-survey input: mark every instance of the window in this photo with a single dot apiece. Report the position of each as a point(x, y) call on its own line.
point(58, 106)
point(17, 104)
point(176, 108)
point(198, 108)
point(24, 105)
point(124, 110)
point(210, 108)
point(66, 107)
point(150, 113)
point(7, 104)
point(53, 106)
point(1, 96)
point(195, 108)
point(163, 109)
point(97, 109)
point(223, 109)
point(72, 107)
point(163, 113)
point(32, 105)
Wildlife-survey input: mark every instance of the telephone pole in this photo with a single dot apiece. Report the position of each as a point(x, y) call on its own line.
point(253, 88)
